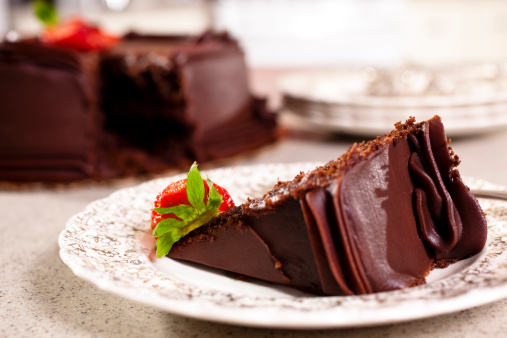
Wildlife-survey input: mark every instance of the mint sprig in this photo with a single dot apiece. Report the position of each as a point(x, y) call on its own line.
point(46, 12)
point(190, 217)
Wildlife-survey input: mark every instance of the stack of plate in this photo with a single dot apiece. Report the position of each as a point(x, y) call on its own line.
point(367, 101)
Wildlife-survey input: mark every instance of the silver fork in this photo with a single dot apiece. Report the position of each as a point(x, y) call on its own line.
point(491, 194)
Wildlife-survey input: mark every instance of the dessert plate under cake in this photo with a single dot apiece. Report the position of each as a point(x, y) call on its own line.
point(106, 245)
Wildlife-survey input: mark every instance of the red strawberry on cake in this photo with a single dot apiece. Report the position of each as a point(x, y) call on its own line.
point(184, 206)
point(78, 35)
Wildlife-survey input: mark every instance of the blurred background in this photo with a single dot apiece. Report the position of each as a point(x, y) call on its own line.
point(307, 33)
point(418, 41)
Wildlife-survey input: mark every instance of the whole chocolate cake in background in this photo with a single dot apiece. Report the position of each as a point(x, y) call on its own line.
point(144, 105)
point(378, 218)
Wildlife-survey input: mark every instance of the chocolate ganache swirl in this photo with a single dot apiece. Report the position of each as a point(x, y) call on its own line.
point(450, 219)
point(384, 220)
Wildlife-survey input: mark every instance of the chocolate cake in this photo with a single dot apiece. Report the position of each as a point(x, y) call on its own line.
point(145, 105)
point(378, 218)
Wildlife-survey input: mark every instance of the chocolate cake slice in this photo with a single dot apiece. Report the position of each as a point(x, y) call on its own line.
point(376, 219)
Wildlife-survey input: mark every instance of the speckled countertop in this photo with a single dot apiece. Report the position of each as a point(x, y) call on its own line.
point(41, 297)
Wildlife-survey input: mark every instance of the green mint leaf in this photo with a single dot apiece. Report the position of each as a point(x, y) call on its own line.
point(166, 242)
point(195, 189)
point(46, 12)
point(171, 230)
point(185, 212)
point(214, 197)
point(167, 225)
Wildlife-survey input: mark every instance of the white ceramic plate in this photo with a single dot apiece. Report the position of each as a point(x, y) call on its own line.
point(107, 245)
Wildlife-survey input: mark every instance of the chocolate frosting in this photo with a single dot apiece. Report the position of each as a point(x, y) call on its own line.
point(237, 249)
point(449, 217)
point(366, 218)
point(374, 220)
point(47, 115)
point(200, 106)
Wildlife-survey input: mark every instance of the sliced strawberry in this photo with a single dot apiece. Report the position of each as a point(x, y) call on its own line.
point(184, 206)
point(77, 34)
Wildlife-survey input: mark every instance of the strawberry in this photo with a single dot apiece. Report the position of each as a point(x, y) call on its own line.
point(77, 34)
point(176, 194)
point(184, 206)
